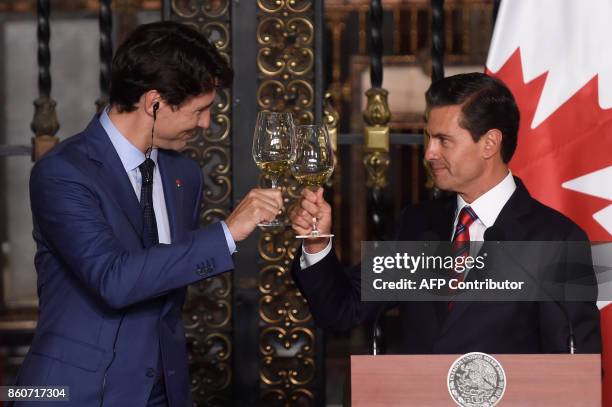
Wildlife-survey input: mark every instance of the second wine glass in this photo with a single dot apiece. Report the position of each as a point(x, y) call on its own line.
point(314, 163)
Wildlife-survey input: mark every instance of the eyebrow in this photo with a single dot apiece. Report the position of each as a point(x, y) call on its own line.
point(206, 107)
point(438, 135)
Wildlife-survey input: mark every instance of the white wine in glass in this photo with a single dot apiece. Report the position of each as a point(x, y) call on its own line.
point(314, 164)
point(274, 148)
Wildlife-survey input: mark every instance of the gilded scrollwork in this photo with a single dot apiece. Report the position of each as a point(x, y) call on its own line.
point(223, 98)
point(218, 34)
point(207, 9)
point(287, 360)
point(285, 61)
point(286, 46)
point(270, 95)
point(271, 6)
point(292, 309)
point(270, 33)
point(298, 398)
point(186, 9)
point(281, 303)
point(208, 306)
point(295, 96)
point(219, 130)
point(215, 9)
point(299, 6)
point(273, 246)
point(293, 6)
point(300, 61)
point(209, 357)
point(300, 95)
point(301, 30)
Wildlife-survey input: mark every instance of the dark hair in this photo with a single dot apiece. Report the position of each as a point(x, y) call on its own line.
point(486, 104)
point(167, 56)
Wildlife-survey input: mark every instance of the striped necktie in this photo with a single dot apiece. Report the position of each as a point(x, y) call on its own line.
point(460, 246)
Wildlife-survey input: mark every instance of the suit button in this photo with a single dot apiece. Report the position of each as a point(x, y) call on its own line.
point(151, 372)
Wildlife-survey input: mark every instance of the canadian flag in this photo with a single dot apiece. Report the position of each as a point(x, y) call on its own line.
point(556, 57)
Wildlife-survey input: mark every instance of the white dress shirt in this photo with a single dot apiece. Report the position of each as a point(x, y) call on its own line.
point(131, 157)
point(487, 207)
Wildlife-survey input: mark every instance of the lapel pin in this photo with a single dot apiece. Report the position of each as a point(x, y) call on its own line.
point(178, 182)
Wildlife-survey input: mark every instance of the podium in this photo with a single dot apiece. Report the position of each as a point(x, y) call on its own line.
point(421, 380)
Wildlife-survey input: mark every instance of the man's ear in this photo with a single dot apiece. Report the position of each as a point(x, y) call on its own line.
point(491, 143)
point(150, 99)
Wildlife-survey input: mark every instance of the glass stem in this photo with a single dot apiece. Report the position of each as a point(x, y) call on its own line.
point(315, 231)
point(274, 181)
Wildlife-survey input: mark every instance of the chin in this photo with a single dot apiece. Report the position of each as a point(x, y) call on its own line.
point(444, 186)
point(439, 183)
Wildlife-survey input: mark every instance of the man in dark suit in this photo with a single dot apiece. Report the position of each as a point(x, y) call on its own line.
point(471, 131)
point(116, 213)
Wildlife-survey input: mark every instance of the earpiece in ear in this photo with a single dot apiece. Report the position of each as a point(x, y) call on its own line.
point(155, 109)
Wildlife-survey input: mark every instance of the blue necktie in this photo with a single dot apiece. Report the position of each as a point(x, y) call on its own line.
point(149, 232)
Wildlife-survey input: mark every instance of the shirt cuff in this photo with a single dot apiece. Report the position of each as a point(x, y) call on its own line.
point(308, 259)
point(231, 245)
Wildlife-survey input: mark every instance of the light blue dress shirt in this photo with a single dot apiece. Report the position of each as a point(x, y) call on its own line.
point(131, 157)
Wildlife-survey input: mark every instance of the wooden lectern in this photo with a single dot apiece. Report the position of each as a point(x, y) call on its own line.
point(421, 380)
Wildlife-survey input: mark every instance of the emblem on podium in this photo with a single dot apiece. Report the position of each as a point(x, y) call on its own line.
point(476, 380)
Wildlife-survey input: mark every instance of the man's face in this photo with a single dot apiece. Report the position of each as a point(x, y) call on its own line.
point(174, 128)
point(456, 161)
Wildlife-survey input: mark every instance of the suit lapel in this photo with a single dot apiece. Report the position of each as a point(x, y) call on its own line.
point(112, 174)
point(506, 227)
point(173, 194)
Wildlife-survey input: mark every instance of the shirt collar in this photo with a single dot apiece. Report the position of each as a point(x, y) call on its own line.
point(489, 205)
point(130, 156)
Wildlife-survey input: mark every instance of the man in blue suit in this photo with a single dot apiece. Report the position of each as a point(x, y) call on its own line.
point(116, 221)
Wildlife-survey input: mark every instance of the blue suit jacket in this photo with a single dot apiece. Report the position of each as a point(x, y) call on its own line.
point(109, 307)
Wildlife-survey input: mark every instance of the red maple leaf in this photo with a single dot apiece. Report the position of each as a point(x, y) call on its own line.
point(573, 141)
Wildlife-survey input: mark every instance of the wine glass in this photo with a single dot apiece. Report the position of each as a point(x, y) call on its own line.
point(314, 163)
point(274, 148)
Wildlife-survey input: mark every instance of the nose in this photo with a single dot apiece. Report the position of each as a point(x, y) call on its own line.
point(204, 121)
point(431, 150)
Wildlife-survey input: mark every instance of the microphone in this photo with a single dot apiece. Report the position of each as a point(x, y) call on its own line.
point(377, 334)
point(155, 109)
point(496, 234)
point(378, 345)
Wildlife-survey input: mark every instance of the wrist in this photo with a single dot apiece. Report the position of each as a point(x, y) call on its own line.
point(230, 227)
point(314, 246)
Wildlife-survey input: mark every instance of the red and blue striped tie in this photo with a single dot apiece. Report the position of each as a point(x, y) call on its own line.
point(460, 246)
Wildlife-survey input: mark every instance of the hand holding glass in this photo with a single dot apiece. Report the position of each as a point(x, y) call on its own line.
point(314, 163)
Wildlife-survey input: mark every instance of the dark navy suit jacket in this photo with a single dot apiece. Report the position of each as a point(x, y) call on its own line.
point(109, 307)
point(334, 294)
